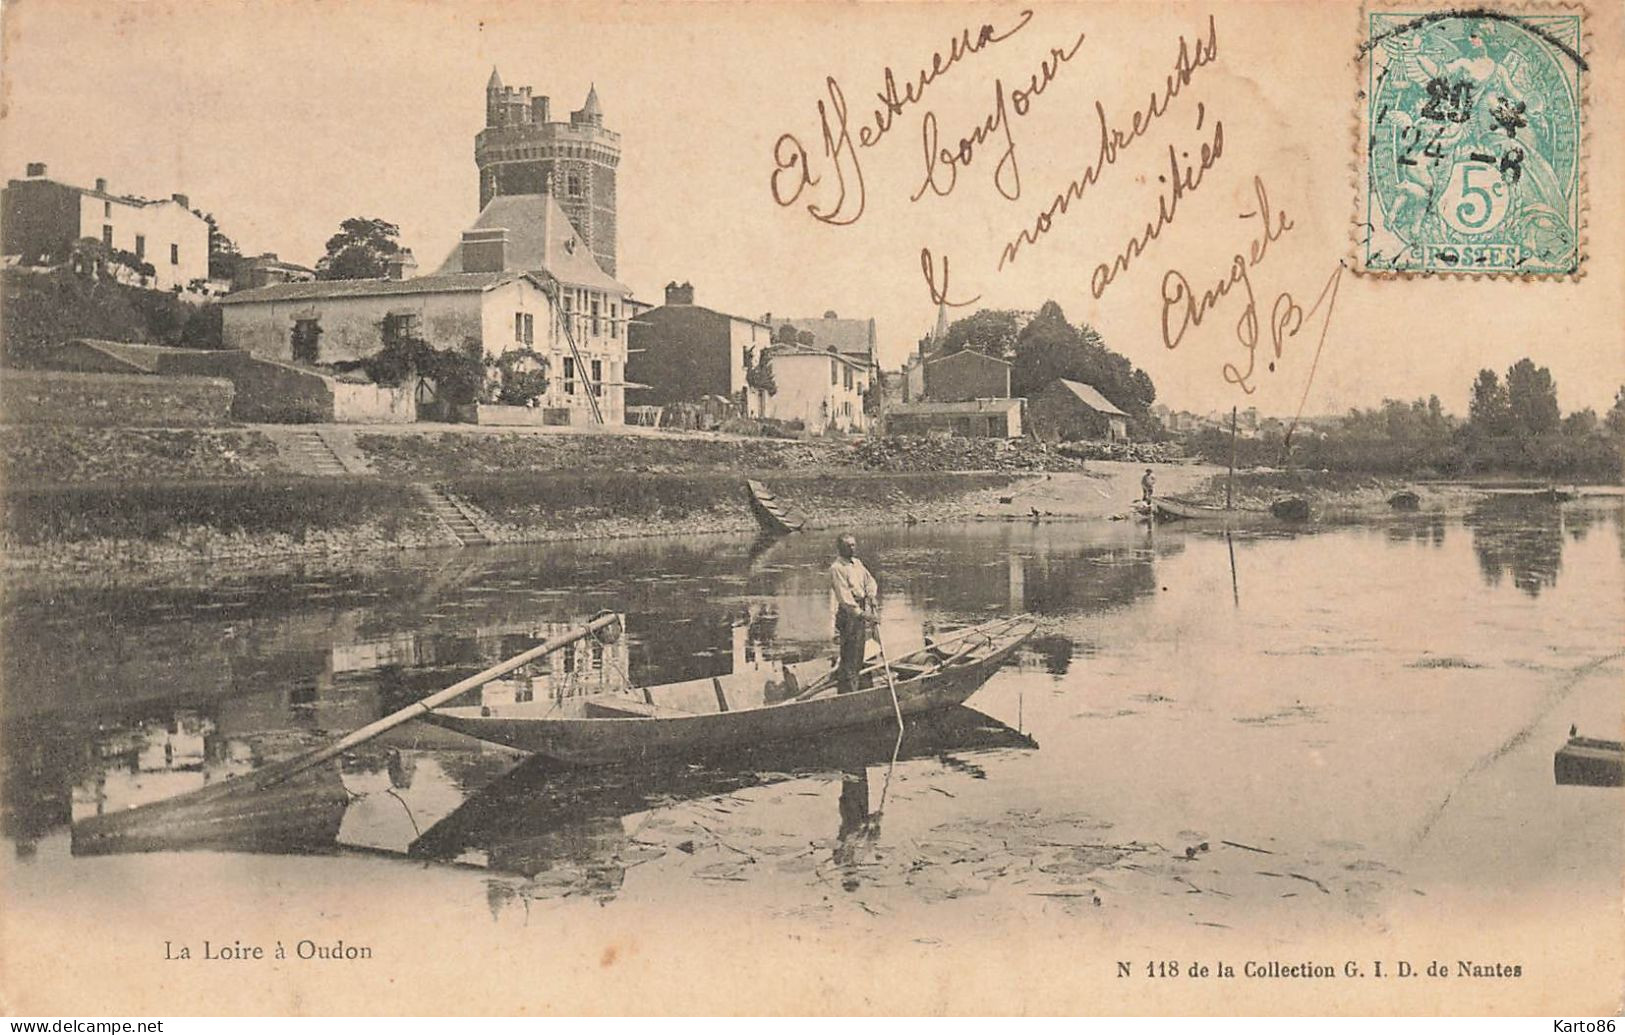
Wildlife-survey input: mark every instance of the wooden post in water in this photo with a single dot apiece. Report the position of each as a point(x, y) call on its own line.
point(1230, 481)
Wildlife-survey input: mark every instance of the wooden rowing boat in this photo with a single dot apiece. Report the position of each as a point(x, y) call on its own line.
point(722, 711)
point(1168, 509)
point(772, 513)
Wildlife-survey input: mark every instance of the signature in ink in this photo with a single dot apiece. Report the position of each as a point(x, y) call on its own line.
point(1184, 308)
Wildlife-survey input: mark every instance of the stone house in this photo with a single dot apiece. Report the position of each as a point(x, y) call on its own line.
point(965, 375)
point(971, 418)
point(820, 388)
point(682, 352)
point(1064, 411)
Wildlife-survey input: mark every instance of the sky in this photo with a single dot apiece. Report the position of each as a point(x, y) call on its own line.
point(284, 118)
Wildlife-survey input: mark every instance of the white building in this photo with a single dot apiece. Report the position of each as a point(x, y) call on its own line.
point(501, 290)
point(44, 218)
point(824, 390)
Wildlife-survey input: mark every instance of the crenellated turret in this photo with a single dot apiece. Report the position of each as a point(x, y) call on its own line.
point(522, 150)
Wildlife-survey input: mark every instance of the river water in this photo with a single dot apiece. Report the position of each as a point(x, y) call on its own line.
point(1262, 732)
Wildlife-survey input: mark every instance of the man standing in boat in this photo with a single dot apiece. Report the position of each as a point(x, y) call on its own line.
point(856, 603)
point(1148, 485)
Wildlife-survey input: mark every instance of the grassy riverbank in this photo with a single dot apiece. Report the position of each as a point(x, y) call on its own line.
point(176, 523)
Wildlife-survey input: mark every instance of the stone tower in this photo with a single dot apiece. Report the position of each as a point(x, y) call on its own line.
point(522, 151)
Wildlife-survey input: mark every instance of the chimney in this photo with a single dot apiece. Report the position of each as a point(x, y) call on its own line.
point(36, 169)
point(829, 314)
point(485, 250)
point(402, 265)
point(182, 200)
point(680, 294)
point(101, 184)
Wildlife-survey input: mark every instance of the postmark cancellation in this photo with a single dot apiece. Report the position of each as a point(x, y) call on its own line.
point(1470, 155)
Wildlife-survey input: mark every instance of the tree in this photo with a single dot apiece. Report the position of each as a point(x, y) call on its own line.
point(1488, 412)
point(1050, 347)
point(786, 334)
point(992, 331)
point(1531, 398)
point(1615, 420)
point(759, 375)
point(223, 252)
point(1581, 423)
point(807, 338)
point(360, 250)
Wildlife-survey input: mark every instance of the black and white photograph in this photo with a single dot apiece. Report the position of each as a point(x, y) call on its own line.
point(884, 509)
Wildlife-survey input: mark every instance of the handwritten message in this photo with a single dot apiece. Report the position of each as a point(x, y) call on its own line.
point(828, 182)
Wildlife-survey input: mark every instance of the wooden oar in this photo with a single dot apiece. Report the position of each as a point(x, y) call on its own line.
point(139, 821)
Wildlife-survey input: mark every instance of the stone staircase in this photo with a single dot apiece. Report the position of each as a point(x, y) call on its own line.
point(316, 451)
point(461, 519)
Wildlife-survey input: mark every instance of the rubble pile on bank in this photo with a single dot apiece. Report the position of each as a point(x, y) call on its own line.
point(909, 453)
point(1130, 452)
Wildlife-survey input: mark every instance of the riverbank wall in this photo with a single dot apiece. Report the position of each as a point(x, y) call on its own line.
point(116, 498)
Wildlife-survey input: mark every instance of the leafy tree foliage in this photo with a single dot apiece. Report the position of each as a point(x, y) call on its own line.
point(1615, 420)
point(992, 331)
point(785, 335)
point(360, 250)
point(1488, 412)
point(1532, 398)
point(458, 374)
point(759, 374)
point(223, 251)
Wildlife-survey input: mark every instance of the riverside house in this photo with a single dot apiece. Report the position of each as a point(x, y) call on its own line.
point(821, 388)
point(684, 353)
point(514, 282)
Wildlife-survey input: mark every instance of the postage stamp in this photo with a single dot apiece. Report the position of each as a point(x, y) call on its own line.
point(1470, 156)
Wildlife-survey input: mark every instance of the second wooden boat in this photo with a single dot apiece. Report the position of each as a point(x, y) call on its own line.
point(722, 711)
point(772, 513)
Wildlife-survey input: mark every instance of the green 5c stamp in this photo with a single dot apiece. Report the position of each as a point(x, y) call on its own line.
point(1472, 144)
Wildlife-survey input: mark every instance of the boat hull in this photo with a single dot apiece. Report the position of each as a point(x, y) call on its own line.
point(608, 741)
point(769, 511)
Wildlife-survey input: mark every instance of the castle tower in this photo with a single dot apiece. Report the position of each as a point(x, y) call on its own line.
point(522, 150)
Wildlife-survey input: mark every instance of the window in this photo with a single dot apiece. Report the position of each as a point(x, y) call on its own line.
point(140, 246)
point(107, 235)
point(848, 378)
point(399, 327)
point(595, 316)
point(834, 372)
point(306, 336)
point(574, 181)
point(174, 255)
point(598, 377)
point(524, 328)
point(569, 376)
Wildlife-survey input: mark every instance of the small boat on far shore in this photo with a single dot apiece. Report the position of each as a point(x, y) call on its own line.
point(772, 513)
point(1169, 508)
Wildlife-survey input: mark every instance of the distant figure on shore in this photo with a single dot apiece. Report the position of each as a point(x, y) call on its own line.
point(856, 602)
point(1148, 485)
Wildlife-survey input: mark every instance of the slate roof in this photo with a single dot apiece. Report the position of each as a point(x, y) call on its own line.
point(541, 238)
point(440, 283)
point(803, 350)
point(853, 337)
point(1090, 397)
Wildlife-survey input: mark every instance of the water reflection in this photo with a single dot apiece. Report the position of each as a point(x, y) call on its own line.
point(1518, 539)
point(575, 832)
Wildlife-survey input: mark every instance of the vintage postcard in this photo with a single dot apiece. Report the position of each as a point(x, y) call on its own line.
point(808, 508)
